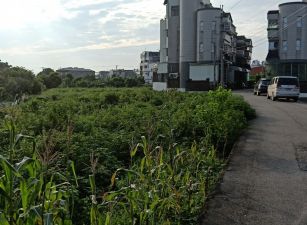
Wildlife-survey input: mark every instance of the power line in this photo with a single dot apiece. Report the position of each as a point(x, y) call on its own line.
point(234, 5)
point(264, 41)
point(260, 40)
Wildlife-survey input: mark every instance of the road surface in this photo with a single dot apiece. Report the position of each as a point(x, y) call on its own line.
point(266, 180)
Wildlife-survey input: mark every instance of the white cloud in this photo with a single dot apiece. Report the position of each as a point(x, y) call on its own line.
point(16, 14)
point(38, 49)
point(76, 4)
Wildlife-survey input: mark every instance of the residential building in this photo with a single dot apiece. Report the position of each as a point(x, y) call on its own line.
point(123, 73)
point(75, 72)
point(257, 69)
point(103, 74)
point(199, 44)
point(287, 41)
point(148, 65)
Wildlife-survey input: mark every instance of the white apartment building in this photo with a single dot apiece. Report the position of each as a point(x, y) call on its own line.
point(149, 65)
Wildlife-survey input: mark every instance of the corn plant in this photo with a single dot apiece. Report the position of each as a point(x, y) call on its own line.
point(28, 195)
point(164, 187)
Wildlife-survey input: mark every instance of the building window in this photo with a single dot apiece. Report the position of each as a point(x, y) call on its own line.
point(202, 26)
point(201, 47)
point(175, 10)
point(271, 45)
point(213, 47)
point(298, 45)
point(285, 22)
point(285, 46)
point(299, 22)
point(213, 28)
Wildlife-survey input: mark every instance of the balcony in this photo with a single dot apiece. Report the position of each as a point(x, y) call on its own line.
point(229, 28)
point(273, 26)
point(273, 34)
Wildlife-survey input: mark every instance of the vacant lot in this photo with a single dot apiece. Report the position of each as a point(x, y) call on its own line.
point(165, 179)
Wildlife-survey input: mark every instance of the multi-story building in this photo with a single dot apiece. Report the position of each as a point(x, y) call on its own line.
point(287, 37)
point(103, 74)
point(75, 72)
point(148, 65)
point(123, 73)
point(198, 42)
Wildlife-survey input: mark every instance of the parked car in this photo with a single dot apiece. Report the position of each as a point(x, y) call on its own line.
point(284, 87)
point(261, 87)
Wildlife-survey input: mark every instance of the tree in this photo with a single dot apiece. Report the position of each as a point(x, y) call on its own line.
point(16, 81)
point(49, 78)
point(52, 81)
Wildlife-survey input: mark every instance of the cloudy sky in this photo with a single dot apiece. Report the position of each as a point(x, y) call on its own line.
point(100, 34)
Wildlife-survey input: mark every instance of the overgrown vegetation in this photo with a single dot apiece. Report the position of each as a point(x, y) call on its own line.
point(141, 157)
point(17, 81)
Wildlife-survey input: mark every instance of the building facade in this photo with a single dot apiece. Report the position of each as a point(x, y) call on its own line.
point(75, 72)
point(198, 43)
point(148, 65)
point(287, 40)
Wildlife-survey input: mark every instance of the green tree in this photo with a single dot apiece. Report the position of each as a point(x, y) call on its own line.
point(16, 81)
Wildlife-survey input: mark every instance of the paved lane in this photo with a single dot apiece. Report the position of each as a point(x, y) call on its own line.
point(266, 182)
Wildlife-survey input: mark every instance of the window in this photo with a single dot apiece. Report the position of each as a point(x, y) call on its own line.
point(175, 10)
point(202, 26)
point(299, 22)
point(273, 24)
point(201, 47)
point(213, 28)
point(285, 46)
point(285, 22)
point(298, 45)
point(271, 45)
point(212, 47)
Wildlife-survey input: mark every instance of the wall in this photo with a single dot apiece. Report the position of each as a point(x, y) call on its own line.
point(292, 33)
point(208, 36)
point(203, 72)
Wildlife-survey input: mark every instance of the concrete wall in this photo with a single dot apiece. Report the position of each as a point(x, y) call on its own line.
point(292, 33)
point(187, 37)
point(208, 35)
point(173, 33)
point(203, 72)
point(159, 86)
point(163, 46)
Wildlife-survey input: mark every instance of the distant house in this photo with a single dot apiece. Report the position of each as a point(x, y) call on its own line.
point(103, 74)
point(75, 72)
point(149, 65)
point(123, 73)
point(257, 71)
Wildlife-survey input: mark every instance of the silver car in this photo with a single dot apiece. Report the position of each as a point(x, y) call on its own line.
point(284, 87)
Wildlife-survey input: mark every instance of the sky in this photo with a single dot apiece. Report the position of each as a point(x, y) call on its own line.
point(103, 34)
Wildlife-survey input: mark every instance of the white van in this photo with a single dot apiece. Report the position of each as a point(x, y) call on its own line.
point(284, 87)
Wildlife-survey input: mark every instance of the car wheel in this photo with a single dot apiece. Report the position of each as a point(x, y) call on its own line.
point(295, 99)
point(268, 96)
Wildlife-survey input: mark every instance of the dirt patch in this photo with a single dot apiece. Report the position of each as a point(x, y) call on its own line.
point(301, 156)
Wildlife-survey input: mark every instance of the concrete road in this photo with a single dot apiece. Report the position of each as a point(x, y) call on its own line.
point(266, 180)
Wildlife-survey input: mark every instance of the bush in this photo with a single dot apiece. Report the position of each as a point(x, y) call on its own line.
point(107, 124)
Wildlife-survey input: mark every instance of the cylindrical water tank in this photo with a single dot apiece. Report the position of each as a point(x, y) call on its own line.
point(188, 29)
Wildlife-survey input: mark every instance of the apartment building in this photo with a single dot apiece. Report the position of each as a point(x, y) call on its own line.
point(148, 65)
point(198, 44)
point(287, 41)
point(75, 72)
